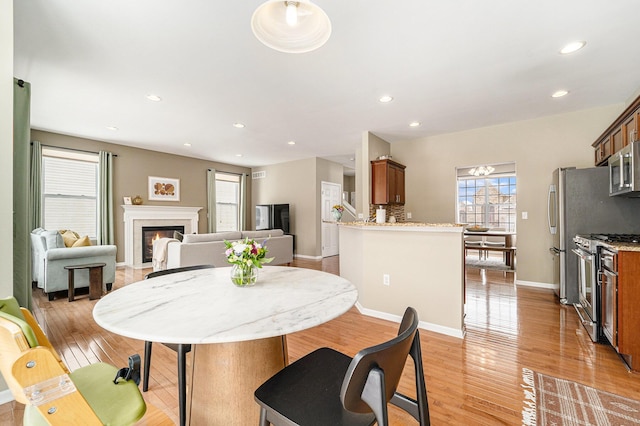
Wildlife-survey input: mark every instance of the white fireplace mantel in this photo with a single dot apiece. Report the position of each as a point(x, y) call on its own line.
point(136, 216)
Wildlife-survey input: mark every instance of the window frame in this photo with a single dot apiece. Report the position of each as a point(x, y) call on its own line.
point(488, 210)
point(73, 156)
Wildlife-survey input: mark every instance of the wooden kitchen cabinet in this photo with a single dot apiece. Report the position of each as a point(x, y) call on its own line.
point(387, 182)
point(630, 128)
point(617, 141)
point(623, 131)
point(627, 309)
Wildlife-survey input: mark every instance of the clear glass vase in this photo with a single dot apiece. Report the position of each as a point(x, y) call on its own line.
point(337, 215)
point(244, 275)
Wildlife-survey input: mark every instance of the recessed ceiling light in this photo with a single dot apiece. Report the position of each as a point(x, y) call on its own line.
point(572, 47)
point(414, 124)
point(154, 98)
point(560, 93)
point(238, 155)
point(187, 144)
point(238, 125)
point(386, 98)
point(114, 128)
point(291, 142)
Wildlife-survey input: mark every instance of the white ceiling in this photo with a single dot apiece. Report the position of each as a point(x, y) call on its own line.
point(450, 64)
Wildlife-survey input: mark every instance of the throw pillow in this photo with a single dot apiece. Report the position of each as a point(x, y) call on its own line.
point(178, 235)
point(69, 237)
point(82, 242)
point(52, 239)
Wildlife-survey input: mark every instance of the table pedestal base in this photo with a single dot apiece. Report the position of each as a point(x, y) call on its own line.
point(224, 377)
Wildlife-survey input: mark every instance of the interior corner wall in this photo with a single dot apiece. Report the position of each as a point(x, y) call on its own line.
point(372, 148)
point(6, 154)
point(133, 166)
point(536, 146)
point(292, 183)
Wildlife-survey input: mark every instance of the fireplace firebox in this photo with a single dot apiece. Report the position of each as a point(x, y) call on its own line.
point(151, 233)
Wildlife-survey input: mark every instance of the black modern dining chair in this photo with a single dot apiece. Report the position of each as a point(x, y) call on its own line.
point(327, 387)
point(180, 348)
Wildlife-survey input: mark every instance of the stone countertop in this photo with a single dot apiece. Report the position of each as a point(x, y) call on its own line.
point(623, 246)
point(403, 224)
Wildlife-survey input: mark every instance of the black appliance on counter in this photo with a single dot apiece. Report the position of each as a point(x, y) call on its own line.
point(597, 277)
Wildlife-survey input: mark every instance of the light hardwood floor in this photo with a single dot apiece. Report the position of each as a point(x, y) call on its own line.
point(471, 381)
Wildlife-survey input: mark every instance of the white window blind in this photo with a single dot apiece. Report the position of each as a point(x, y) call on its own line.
point(69, 195)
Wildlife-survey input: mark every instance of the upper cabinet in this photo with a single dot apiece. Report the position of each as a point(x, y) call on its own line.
point(622, 132)
point(387, 182)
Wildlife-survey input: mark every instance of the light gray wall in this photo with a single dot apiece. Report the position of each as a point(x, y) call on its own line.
point(536, 146)
point(298, 183)
point(132, 168)
point(6, 145)
point(6, 154)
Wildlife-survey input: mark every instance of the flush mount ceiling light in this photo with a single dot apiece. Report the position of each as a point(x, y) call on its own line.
point(481, 171)
point(154, 98)
point(112, 128)
point(291, 142)
point(414, 124)
point(186, 144)
point(238, 125)
point(572, 47)
point(385, 99)
point(291, 26)
point(560, 93)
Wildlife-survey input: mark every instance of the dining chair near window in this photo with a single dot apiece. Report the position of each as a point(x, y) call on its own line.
point(52, 395)
point(327, 387)
point(180, 348)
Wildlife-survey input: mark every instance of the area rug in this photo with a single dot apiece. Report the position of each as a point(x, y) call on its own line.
point(552, 401)
point(496, 265)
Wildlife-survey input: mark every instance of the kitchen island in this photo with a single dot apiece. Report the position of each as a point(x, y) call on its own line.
point(395, 265)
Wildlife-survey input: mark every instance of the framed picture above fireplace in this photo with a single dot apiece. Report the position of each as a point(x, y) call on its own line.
point(164, 189)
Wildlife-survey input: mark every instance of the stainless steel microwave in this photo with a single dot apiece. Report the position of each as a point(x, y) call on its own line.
point(624, 171)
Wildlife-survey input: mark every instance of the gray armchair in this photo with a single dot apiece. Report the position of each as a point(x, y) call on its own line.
point(50, 256)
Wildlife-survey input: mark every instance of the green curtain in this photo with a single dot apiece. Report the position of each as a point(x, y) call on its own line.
point(35, 185)
point(105, 198)
point(21, 193)
point(242, 214)
point(211, 200)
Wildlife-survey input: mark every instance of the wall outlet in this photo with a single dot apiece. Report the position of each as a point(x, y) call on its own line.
point(385, 279)
point(525, 215)
point(408, 215)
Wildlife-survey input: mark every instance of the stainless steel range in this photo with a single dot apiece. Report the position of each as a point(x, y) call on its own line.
point(588, 307)
point(594, 265)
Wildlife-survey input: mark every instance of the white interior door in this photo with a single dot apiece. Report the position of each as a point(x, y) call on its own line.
point(331, 193)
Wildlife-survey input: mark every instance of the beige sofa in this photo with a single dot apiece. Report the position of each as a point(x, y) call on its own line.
point(209, 249)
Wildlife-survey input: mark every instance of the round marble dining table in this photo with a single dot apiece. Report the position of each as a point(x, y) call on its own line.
point(239, 333)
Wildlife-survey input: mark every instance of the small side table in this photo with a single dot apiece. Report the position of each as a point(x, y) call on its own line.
point(95, 279)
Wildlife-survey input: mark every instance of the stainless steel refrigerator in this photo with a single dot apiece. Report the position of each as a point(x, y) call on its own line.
point(579, 203)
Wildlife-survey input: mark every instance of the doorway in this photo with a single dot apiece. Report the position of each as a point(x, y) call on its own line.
point(331, 195)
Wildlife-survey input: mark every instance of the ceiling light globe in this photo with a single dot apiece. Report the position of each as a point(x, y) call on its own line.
point(269, 25)
point(560, 93)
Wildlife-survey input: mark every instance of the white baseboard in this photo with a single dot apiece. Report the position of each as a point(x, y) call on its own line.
point(6, 396)
point(303, 256)
point(536, 284)
point(423, 324)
